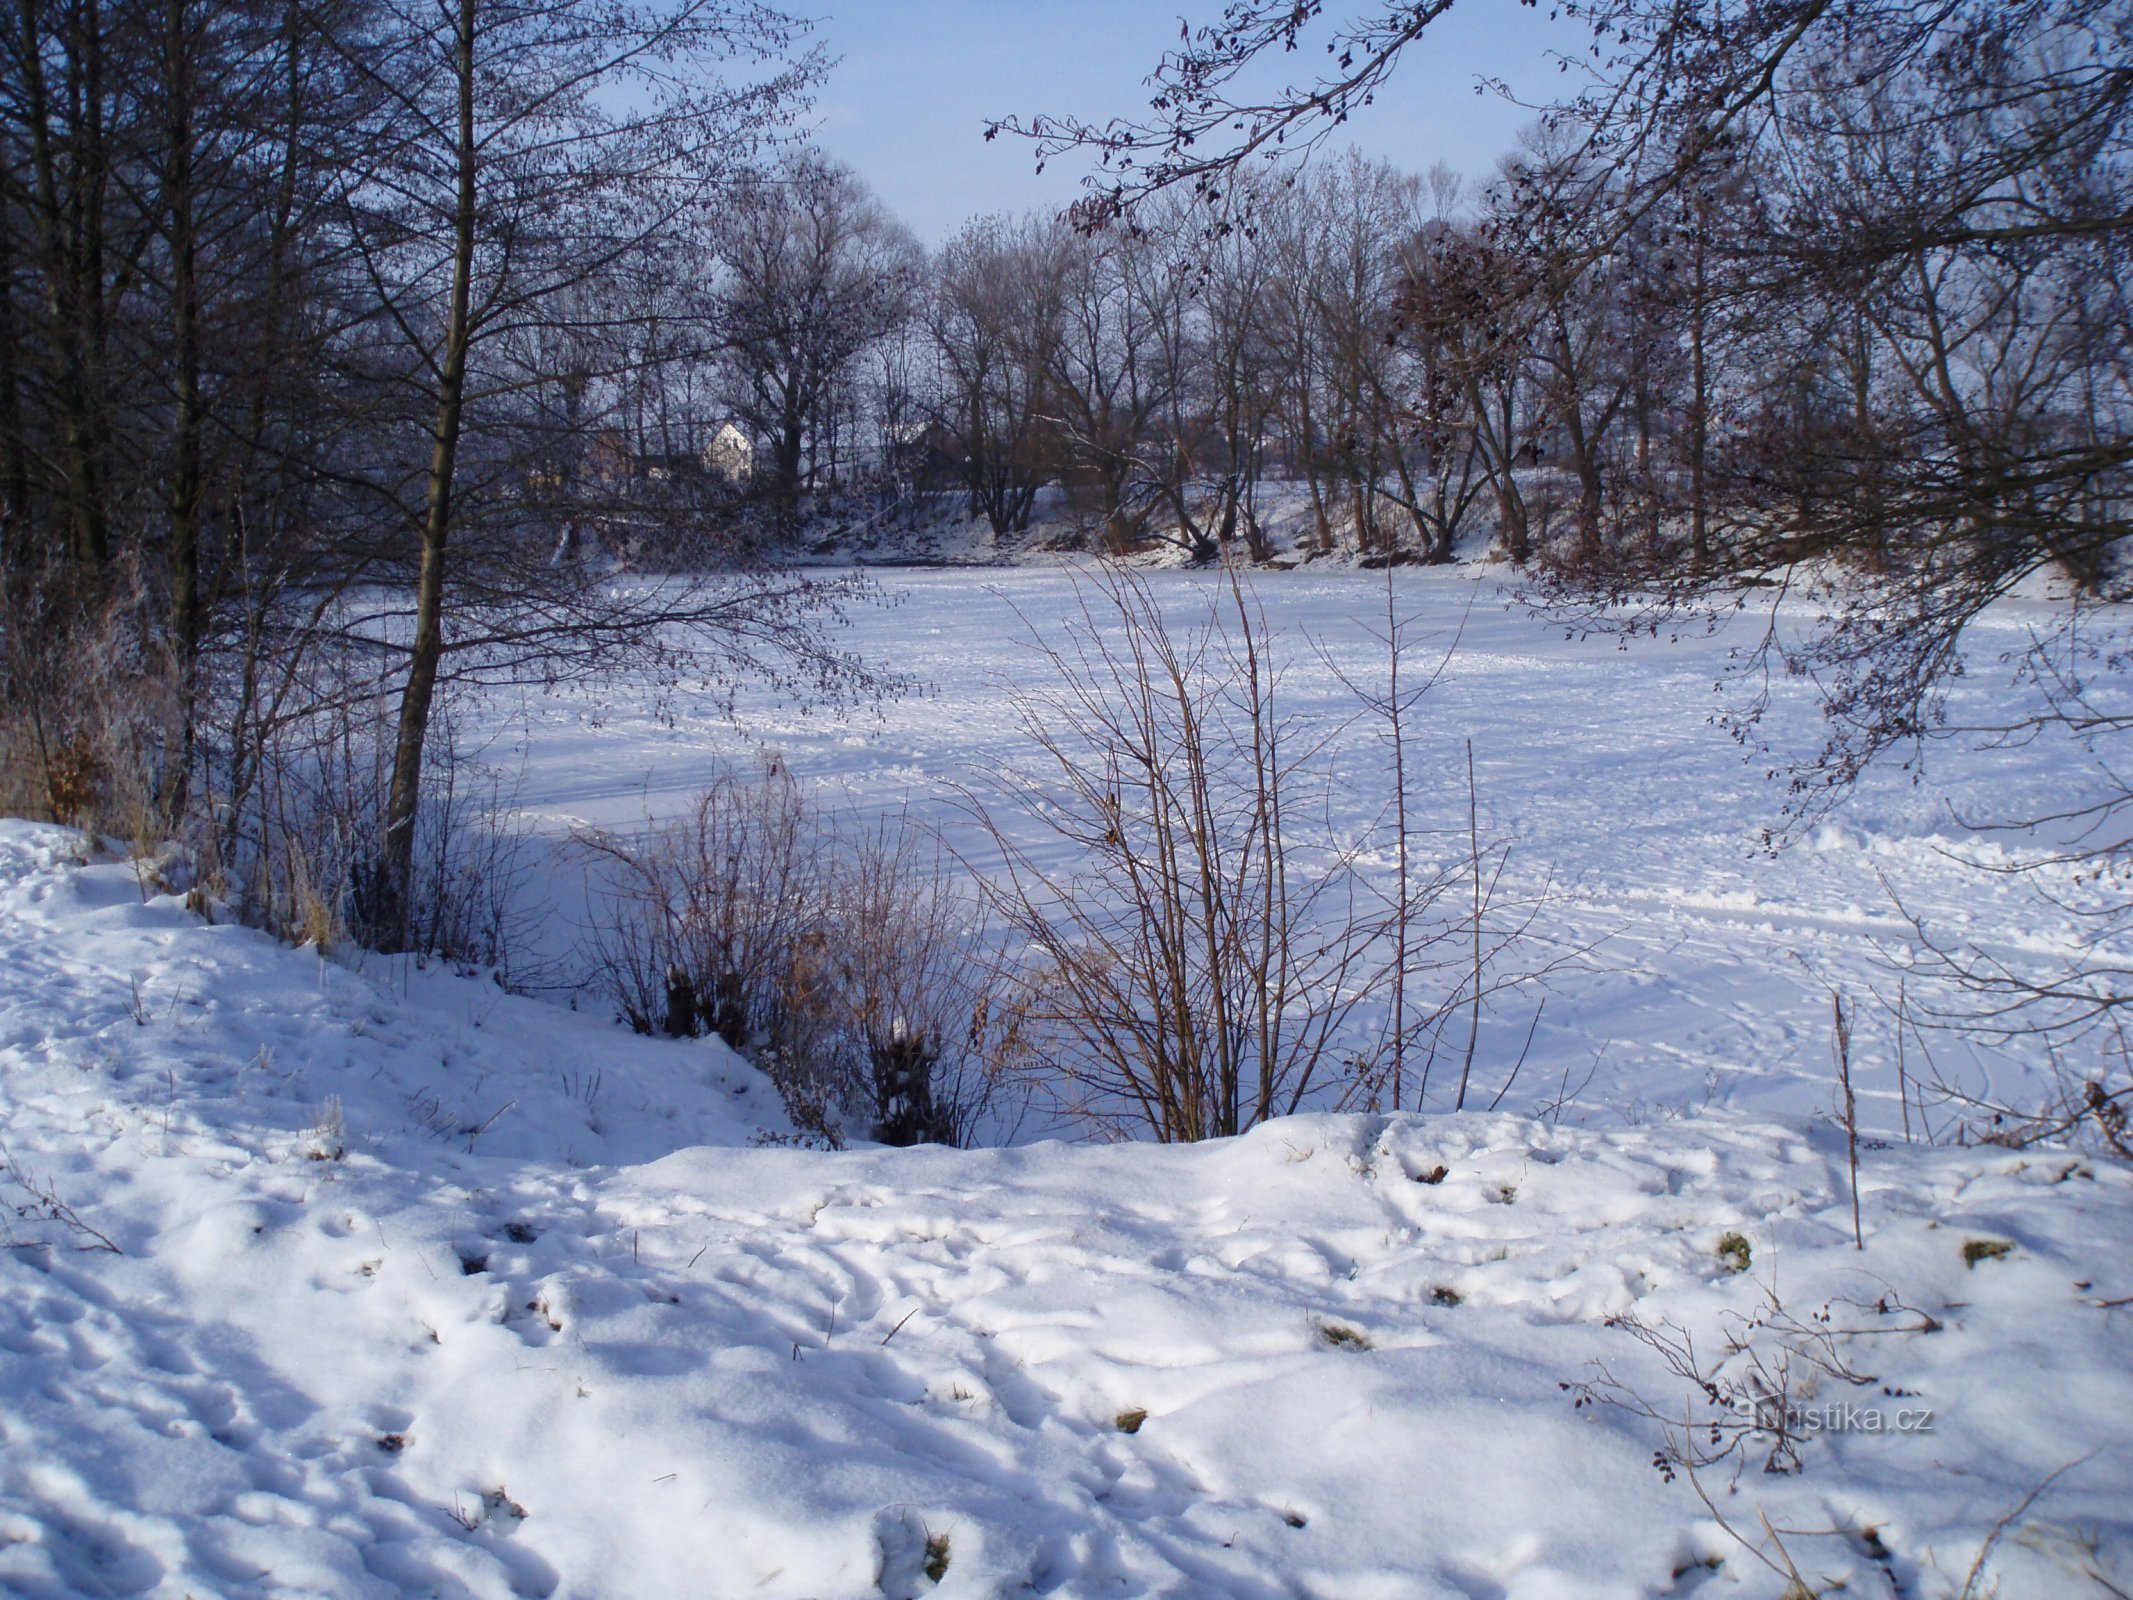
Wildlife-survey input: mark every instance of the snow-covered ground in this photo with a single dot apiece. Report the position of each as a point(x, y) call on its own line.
point(420, 1287)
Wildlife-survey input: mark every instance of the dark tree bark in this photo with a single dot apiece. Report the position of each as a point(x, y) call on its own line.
point(403, 800)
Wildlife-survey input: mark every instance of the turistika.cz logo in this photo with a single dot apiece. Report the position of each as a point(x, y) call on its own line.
point(1773, 1416)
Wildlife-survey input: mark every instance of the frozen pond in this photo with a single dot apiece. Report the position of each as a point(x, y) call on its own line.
point(1707, 962)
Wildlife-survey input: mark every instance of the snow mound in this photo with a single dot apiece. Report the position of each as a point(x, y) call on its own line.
point(423, 1288)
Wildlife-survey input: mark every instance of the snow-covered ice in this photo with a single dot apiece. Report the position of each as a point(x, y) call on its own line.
point(1705, 964)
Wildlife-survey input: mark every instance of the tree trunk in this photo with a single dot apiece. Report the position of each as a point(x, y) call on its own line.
point(16, 555)
point(392, 911)
point(1584, 453)
point(1499, 457)
point(1313, 471)
point(69, 236)
point(1699, 412)
point(185, 470)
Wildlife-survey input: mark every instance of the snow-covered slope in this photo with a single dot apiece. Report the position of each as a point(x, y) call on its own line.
point(541, 1321)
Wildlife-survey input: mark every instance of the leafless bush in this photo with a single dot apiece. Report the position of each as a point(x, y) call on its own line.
point(274, 793)
point(1751, 1397)
point(843, 960)
point(469, 860)
point(1200, 946)
point(918, 995)
point(298, 773)
point(296, 780)
point(716, 923)
point(88, 714)
point(710, 915)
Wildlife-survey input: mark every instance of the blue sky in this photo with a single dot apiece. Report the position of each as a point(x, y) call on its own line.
point(918, 80)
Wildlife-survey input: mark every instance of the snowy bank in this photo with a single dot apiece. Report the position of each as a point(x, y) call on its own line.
point(422, 1288)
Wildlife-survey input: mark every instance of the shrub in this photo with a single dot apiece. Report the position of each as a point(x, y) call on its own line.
point(915, 991)
point(295, 782)
point(88, 709)
point(843, 959)
point(1200, 947)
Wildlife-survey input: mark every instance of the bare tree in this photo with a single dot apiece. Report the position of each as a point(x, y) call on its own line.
point(539, 146)
point(815, 273)
point(1110, 374)
point(1365, 217)
point(1209, 451)
point(1461, 302)
point(995, 318)
point(1553, 209)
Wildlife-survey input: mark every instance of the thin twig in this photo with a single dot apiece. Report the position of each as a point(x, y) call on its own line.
point(476, 1133)
point(1984, 1553)
point(1903, 1085)
point(1473, 835)
point(1522, 1054)
point(899, 1328)
point(1843, 1043)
